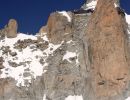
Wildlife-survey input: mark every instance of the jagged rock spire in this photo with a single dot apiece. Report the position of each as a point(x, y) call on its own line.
point(10, 30)
point(107, 57)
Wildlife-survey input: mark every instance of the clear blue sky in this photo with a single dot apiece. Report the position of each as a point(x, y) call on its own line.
point(32, 14)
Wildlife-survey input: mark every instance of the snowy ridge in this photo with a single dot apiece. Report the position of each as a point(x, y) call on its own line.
point(27, 60)
point(64, 13)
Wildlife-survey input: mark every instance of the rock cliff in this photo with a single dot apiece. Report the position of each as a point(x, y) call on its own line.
point(108, 51)
point(77, 55)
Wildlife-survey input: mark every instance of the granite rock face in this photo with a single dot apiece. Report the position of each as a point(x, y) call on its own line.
point(85, 55)
point(108, 52)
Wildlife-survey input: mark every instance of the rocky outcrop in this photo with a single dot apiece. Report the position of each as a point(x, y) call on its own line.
point(106, 38)
point(43, 30)
point(58, 27)
point(1, 63)
point(10, 30)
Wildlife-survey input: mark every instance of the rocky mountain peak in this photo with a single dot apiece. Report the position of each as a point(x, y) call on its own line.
point(78, 55)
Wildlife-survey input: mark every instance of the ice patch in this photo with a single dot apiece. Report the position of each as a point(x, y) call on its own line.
point(74, 98)
point(64, 13)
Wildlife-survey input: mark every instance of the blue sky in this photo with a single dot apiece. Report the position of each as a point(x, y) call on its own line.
point(32, 14)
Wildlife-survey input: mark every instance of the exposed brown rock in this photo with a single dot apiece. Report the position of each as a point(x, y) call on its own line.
point(108, 51)
point(57, 27)
point(10, 30)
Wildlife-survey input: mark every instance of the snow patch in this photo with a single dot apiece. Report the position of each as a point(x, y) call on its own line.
point(69, 55)
point(128, 30)
point(74, 98)
point(116, 5)
point(44, 97)
point(128, 98)
point(30, 67)
point(64, 13)
point(91, 5)
point(68, 42)
point(45, 38)
point(51, 48)
point(11, 41)
point(127, 18)
point(43, 33)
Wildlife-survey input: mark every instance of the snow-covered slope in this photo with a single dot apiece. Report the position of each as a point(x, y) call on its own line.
point(25, 63)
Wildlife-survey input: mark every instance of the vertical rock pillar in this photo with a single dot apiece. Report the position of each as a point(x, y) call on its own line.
point(108, 52)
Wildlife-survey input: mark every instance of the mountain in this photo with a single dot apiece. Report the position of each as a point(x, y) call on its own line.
point(79, 55)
